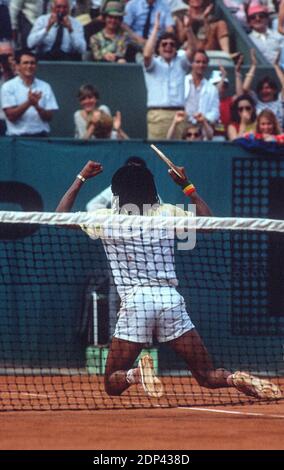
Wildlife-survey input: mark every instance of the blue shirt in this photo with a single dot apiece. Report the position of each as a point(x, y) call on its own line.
point(136, 12)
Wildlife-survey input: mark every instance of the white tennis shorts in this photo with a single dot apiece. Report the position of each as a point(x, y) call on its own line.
point(152, 311)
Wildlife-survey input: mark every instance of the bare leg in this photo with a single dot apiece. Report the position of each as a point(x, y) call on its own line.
point(191, 348)
point(121, 357)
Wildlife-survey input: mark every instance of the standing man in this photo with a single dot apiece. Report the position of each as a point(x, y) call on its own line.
point(164, 77)
point(201, 96)
point(57, 35)
point(28, 102)
point(7, 71)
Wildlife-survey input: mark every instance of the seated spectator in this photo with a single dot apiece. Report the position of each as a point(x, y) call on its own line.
point(206, 31)
point(139, 20)
point(220, 80)
point(57, 36)
point(267, 95)
point(269, 42)
point(7, 71)
point(200, 95)
point(23, 14)
point(243, 117)
point(267, 127)
point(110, 44)
point(164, 77)
point(5, 21)
point(28, 102)
point(200, 130)
point(90, 123)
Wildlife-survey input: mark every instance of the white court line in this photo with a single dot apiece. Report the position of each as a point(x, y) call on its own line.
point(240, 413)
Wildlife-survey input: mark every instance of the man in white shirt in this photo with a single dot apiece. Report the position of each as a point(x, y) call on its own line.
point(28, 102)
point(57, 35)
point(143, 266)
point(268, 41)
point(164, 76)
point(201, 97)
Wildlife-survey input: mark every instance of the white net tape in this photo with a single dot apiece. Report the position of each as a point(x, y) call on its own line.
point(198, 223)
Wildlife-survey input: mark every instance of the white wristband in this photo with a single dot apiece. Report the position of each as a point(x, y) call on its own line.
point(81, 178)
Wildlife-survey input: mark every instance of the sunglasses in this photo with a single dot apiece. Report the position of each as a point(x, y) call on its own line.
point(168, 43)
point(193, 134)
point(244, 108)
point(260, 16)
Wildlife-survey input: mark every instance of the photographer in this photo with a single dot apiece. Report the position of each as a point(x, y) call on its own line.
point(7, 71)
point(57, 35)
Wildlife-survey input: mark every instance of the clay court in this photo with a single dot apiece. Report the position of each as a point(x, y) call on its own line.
point(187, 419)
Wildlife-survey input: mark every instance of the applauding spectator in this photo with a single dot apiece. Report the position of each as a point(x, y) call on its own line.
point(7, 71)
point(243, 117)
point(110, 44)
point(57, 36)
point(267, 95)
point(28, 102)
point(92, 121)
point(200, 130)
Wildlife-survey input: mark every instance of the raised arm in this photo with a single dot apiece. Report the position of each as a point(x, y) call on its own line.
point(251, 73)
point(189, 190)
point(279, 73)
point(90, 170)
point(149, 48)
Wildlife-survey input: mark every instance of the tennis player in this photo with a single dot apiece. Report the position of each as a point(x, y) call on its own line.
point(143, 268)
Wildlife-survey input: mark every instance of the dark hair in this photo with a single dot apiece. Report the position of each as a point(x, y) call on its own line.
point(88, 90)
point(135, 161)
point(272, 83)
point(20, 53)
point(200, 51)
point(134, 185)
point(235, 115)
point(166, 35)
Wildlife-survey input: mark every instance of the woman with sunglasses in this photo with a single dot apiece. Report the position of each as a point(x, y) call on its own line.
point(193, 131)
point(243, 117)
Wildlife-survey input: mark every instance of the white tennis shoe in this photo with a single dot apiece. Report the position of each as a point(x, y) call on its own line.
point(150, 383)
point(255, 387)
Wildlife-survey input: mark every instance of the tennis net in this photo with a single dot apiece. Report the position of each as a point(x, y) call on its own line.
point(59, 305)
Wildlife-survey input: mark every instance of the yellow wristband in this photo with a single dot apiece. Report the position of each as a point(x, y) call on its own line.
point(189, 189)
point(81, 178)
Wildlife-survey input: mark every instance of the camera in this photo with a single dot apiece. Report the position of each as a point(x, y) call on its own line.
point(60, 17)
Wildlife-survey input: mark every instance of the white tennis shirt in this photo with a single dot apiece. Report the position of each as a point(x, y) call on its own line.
point(137, 256)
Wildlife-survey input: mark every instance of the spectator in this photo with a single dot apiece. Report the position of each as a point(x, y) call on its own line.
point(243, 117)
point(269, 42)
point(267, 95)
point(200, 130)
point(94, 121)
point(206, 31)
point(23, 14)
point(267, 130)
point(164, 76)
point(57, 36)
point(220, 80)
point(201, 96)
point(28, 102)
point(7, 71)
point(5, 22)
point(110, 44)
point(139, 21)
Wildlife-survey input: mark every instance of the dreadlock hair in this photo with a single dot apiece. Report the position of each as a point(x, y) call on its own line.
point(134, 185)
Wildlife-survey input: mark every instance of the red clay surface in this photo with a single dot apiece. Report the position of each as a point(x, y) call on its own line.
point(172, 423)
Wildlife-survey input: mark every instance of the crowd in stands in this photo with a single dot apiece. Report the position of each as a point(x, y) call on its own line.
point(171, 39)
